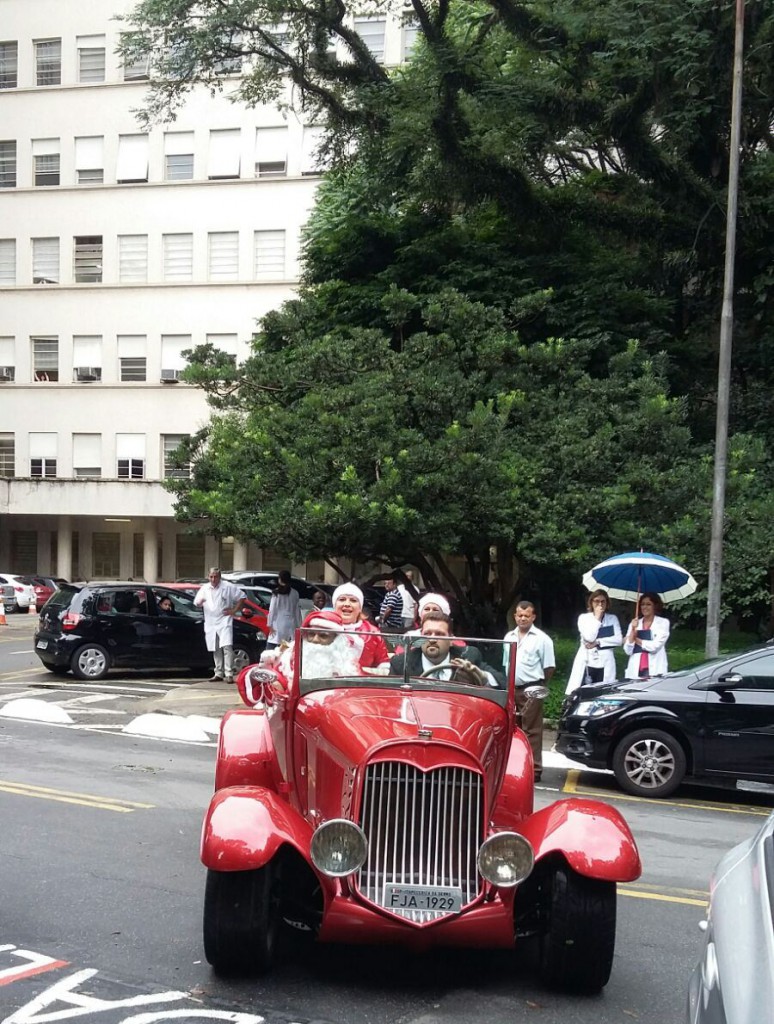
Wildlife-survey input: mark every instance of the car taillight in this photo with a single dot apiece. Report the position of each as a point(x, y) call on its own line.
point(70, 620)
point(19, 590)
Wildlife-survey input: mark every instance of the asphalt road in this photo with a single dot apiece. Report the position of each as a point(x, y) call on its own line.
point(100, 913)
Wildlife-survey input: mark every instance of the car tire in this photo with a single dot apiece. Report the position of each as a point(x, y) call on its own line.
point(649, 762)
point(242, 658)
point(91, 661)
point(241, 920)
point(57, 670)
point(577, 945)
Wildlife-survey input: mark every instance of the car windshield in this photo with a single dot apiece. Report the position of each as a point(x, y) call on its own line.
point(334, 658)
point(700, 666)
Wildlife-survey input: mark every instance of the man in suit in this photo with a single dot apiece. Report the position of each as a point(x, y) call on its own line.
point(433, 652)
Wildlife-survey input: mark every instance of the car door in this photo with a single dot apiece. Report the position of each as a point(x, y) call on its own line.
point(125, 627)
point(181, 632)
point(739, 721)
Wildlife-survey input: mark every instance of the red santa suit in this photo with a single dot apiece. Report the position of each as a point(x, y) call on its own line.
point(375, 653)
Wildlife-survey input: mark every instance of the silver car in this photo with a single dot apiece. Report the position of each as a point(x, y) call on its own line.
point(733, 983)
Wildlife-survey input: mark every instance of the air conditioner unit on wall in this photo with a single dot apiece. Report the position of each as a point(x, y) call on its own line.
point(7, 373)
point(170, 376)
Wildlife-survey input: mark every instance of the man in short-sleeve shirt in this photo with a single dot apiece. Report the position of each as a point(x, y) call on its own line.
point(535, 664)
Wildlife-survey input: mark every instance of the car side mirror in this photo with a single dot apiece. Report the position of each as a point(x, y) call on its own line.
point(727, 681)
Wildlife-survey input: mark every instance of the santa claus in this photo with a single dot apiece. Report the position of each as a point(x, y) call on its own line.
point(327, 651)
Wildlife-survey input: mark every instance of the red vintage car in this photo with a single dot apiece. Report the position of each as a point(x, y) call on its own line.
point(398, 808)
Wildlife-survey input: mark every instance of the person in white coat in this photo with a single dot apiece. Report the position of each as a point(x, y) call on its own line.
point(646, 640)
point(600, 634)
point(220, 601)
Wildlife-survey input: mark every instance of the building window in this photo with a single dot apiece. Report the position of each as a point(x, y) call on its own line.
point(172, 348)
point(371, 31)
point(132, 165)
point(231, 61)
point(133, 258)
point(178, 156)
point(224, 157)
point(410, 36)
point(43, 454)
point(87, 358)
point(46, 167)
point(7, 359)
point(7, 261)
point(271, 152)
point(131, 469)
point(45, 358)
point(48, 62)
point(87, 259)
point(91, 58)
point(227, 343)
point(87, 455)
point(138, 70)
point(43, 467)
point(270, 254)
point(45, 260)
point(177, 257)
point(9, 64)
point(7, 455)
point(106, 556)
point(130, 456)
point(8, 164)
point(174, 469)
point(89, 160)
point(223, 255)
point(132, 357)
point(311, 162)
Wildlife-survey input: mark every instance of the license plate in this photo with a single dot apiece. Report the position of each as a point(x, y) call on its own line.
point(42, 644)
point(423, 897)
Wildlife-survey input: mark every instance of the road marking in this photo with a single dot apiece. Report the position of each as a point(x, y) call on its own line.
point(663, 898)
point(571, 786)
point(66, 797)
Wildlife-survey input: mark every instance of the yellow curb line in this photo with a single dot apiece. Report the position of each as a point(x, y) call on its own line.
point(65, 796)
point(573, 777)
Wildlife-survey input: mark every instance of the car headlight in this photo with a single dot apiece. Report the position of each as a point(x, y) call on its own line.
point(595, 708)
point(339, 847)
point(505, 859)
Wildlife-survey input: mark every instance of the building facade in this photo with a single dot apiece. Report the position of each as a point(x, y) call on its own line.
point(120, 248)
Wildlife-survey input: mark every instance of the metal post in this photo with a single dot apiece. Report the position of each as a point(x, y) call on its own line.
point(715, 576)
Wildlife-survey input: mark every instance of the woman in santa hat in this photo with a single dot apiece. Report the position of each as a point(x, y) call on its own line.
point(348, 602)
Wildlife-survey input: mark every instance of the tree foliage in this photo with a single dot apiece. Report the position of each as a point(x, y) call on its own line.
point(539, 185)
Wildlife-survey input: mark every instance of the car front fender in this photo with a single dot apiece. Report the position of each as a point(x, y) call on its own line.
point(593, 838)
point(245, 826)
point(245, 751)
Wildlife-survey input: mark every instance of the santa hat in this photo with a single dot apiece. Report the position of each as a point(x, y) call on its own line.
point(330, 621)
point(348, 590)
point(438, 599)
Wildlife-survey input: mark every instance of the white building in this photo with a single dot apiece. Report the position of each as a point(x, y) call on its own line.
point(119, 249)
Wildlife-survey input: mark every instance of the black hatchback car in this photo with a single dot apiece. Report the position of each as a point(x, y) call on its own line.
point(93, 627)
point(714, 721)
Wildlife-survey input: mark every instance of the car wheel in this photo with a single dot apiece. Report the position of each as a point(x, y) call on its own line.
point(241, 659)
point(649, 762)
point(90, 662)
point(577, 946)
point(241, 919)
point(58, 670)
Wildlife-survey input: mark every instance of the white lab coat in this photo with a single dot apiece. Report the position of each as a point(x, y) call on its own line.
point(596, 657)
point(656, 648)
point(214, 601)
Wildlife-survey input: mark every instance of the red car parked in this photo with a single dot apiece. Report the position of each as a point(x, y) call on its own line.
point(399, 809)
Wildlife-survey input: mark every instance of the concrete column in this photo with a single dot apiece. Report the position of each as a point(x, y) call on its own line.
point(240, 555)
point(331, 576)
point(211, 553)
point(168, 551)
point(150, 551)
point(44, 552)
point(64, 550)
point(254, 557)
point(85, 552)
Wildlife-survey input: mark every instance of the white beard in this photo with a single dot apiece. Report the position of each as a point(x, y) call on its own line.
point(340, 658)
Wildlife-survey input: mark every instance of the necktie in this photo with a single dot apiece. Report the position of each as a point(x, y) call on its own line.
point(644, 664)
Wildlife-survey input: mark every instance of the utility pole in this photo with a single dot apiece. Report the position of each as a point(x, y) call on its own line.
point(715, 576)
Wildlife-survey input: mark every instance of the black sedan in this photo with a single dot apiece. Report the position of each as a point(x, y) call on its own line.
point(714, 721)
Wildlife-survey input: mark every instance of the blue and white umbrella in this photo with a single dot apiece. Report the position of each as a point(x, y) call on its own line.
point(634, 573)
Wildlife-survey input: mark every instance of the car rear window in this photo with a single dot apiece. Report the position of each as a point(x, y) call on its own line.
point(67, 597)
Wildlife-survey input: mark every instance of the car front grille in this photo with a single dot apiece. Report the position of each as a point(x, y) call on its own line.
point(423, 829)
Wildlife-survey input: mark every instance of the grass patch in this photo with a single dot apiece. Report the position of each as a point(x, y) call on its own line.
point(685, 648)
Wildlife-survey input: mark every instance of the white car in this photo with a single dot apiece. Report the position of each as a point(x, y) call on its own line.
point(23, 593)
